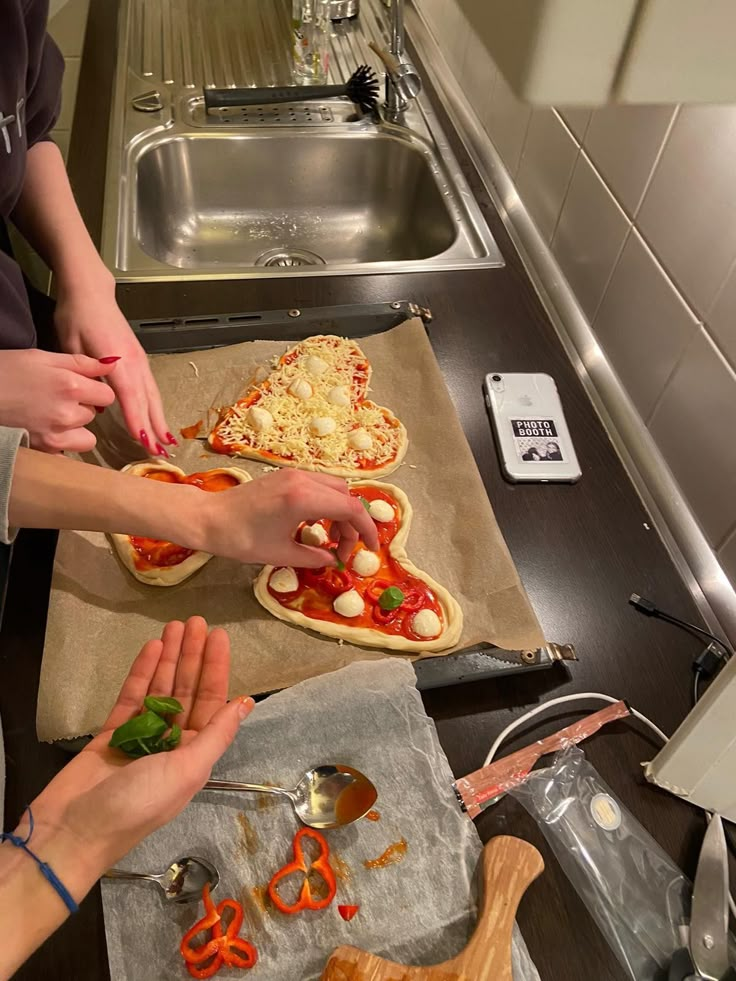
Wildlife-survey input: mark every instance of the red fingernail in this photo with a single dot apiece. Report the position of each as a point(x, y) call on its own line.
point(99, 408)
point(109, 360)
point(171, 439)
point(161, 451)
point(143, 436)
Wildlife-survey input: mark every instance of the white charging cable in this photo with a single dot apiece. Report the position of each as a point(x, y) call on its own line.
point(579, 697)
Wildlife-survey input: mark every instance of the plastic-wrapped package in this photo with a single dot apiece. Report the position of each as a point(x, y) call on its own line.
point(637, 895)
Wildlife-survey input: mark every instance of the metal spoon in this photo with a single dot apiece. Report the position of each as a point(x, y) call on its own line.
point(326, 797)
point(182, 882)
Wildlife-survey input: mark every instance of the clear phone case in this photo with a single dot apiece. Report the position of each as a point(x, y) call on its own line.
point(637, 895)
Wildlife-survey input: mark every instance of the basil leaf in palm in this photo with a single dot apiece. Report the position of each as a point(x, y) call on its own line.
point(162, 705)
point(173, 739)
point(148, 727)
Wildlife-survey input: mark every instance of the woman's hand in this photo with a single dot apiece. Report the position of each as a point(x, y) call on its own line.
point(91, 323)
point(256, 522)
point(102, 803)
point(53, 396)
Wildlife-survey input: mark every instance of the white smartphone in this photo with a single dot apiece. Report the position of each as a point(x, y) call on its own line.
point(531, 433)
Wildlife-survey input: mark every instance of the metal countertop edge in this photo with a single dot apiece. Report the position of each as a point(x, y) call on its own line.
point(671, 514)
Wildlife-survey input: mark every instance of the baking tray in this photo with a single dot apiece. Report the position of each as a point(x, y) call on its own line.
point(173, 335)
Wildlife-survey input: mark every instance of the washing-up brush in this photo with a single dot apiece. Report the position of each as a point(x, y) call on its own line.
point(362, 88)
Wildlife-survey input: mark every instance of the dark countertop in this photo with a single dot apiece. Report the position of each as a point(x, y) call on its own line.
point(580, 550)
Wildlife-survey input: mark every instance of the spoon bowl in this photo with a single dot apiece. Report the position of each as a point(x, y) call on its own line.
point(327, 796)
point(182, 882)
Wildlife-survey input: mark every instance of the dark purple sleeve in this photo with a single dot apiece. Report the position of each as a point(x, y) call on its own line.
point(16, 321)
point(43, 93)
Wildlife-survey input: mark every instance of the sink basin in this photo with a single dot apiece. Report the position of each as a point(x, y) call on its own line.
point(277, 199)
point(301, 189)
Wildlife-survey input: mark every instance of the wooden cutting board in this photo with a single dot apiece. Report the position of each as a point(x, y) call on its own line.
point(509, 866)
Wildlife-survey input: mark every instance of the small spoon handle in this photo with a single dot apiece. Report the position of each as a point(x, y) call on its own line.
point(250, 788)
point(122, 874)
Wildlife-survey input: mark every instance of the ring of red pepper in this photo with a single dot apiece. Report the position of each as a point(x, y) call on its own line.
point(224, 948)
point(321, 864)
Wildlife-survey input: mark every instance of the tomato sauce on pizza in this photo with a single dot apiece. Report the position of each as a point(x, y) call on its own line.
point(152, 553)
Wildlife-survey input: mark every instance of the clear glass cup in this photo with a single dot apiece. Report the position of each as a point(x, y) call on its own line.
point(310, 25)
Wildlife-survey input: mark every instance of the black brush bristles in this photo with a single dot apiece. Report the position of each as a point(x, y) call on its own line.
point(363, 87)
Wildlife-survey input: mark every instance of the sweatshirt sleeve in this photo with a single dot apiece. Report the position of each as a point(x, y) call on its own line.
point(10, 441)
point(44, 83)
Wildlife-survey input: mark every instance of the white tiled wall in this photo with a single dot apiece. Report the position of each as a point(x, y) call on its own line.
point(638, 204)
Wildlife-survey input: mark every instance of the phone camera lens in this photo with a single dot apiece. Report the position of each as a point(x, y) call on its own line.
point(496, 378)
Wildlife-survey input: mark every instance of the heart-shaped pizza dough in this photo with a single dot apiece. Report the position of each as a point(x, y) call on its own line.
point(380, 599)
point(311, 412)
point(160, 563)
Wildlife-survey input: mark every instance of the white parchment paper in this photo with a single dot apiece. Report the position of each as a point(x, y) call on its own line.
point(419, 911)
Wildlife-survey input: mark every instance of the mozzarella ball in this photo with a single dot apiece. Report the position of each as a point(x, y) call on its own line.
point(260, 419)
point(313, 535)
point(381, 510)
point(301, 389)
point(315, 365)
point(426, 623)
point(339, 395)
point(366, 563)
point(283, 580)
point(349, 604)
point(322, 425)
point(360, 440)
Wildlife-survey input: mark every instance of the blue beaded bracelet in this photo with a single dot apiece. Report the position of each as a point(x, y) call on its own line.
point(46, 871)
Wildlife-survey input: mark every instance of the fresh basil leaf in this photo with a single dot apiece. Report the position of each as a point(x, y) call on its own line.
point(162, 705)
point(391, 598)
point(173, 739)
point(132, 748)
point(148, 725)
point(340, 564)
point(365, 504)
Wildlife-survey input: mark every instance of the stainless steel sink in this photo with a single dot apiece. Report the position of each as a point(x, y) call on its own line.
point(302, 189)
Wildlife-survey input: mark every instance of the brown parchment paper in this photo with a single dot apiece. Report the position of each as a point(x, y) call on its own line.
point(99, 616)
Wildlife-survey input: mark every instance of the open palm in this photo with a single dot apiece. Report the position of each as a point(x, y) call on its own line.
point(104, 798)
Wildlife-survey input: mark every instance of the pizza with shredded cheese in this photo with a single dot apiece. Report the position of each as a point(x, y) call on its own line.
point(161, 563)
point(378, 599)
point(312, 412)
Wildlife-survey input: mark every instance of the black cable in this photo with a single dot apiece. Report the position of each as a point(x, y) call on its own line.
point(645, 606)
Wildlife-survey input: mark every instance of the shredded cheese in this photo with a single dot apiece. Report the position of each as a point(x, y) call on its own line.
point(292, 435)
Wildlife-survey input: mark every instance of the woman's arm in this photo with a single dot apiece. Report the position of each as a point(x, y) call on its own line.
point(48, 217)
point(88, 319)
point(254, 522)
point(101, 805)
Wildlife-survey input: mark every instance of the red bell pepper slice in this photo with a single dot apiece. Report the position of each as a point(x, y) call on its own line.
point(222, 948)
point(330, 580)
point(321, 864)
point(413, 600)
point(347, 912)
point(384, 617)
point(375, 590)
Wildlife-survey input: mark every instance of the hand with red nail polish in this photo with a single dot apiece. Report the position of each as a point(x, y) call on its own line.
point(53, 396)
point(172, 440)
point(89, 321)
point(161, 451)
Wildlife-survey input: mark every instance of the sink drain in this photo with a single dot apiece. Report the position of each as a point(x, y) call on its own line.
point(289, 257)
